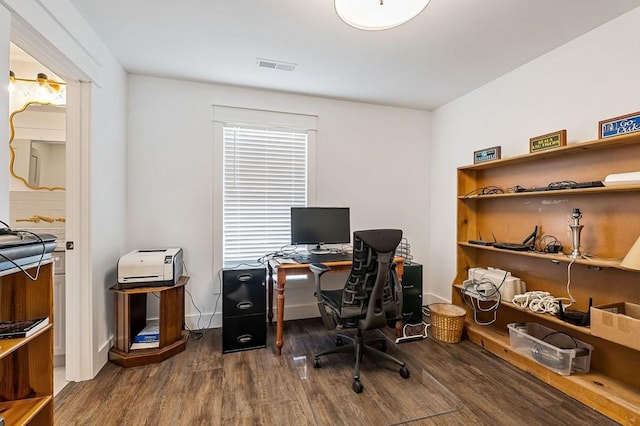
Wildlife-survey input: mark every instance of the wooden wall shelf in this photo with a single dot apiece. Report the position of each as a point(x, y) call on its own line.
point(573, 149)
point(611, 226)
point(540, 316)
point(563, 192)
point(26, 364)
point(554, 258)
point(611, 397)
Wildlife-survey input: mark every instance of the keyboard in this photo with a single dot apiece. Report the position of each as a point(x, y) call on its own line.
point(321, 258)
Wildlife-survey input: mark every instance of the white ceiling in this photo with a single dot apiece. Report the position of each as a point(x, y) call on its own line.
point(453, 47)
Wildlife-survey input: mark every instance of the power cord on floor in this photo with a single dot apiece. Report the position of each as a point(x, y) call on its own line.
point(215, 306)
point(196, 335)
point(409, 328)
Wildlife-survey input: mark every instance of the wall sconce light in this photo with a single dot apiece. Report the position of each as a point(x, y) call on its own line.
point(41, 90)
point(375, 15)
point(12, 81)
point(41, 79)
point(632, 259)
point(44, 90)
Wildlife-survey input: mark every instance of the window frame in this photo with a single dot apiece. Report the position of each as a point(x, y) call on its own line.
point(229, 115)
point(265, 172)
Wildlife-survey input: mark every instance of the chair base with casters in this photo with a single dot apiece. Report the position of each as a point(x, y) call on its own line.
point(371, 296)
point(358, 346)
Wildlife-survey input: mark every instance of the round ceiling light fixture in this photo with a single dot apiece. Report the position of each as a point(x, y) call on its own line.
point(375, 15)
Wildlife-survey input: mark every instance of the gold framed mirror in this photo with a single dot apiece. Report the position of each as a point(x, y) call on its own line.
point(36, 144)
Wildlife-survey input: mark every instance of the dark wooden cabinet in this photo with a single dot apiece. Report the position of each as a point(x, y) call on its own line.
point(131, 318)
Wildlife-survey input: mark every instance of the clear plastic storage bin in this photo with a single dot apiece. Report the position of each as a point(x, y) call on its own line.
point(557, 351)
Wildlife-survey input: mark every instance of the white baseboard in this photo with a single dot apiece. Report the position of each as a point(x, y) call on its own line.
point(102, 357)
point(429, 298)
point(291, 312)
point(204, 321)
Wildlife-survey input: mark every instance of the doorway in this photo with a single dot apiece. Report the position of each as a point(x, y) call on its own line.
point(37, 199)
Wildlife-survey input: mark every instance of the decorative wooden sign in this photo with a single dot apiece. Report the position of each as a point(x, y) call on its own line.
point(487, 154)
point(548, 141)
point(615, 126)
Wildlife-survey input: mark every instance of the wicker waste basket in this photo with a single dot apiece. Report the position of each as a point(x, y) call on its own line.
point(447, 322)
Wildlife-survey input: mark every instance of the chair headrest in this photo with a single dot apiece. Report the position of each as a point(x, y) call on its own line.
point(381, 240)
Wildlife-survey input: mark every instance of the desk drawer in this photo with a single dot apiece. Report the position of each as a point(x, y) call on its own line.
point(244, 332)
point(244, 276)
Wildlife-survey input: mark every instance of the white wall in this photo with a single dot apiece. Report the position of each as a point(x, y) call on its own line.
point(108, 189)
point(370, 158)
point(56, 35)
point(573, 87)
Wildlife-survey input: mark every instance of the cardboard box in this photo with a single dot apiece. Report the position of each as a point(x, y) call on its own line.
point(618, 322)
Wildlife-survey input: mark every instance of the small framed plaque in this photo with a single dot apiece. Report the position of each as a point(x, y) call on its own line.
point(622, 125)
point(548, 141)
point(487, 154)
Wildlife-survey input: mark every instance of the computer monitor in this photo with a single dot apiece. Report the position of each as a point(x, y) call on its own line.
point(320, 225)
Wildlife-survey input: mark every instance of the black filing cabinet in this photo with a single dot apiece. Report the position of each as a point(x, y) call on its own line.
point(244, 305)
point(412, 293)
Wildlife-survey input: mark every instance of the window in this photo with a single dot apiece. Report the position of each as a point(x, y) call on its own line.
point(265, 174)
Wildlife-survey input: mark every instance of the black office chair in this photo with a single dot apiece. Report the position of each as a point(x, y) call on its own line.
point(370, 297)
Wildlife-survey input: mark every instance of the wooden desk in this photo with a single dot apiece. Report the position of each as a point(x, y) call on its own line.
point(283, 270)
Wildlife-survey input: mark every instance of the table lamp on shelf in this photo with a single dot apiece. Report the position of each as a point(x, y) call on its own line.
point(632, 259)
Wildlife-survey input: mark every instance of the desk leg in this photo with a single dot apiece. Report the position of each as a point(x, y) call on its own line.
point(400, 272)
point(280, 314)
point(270, 293)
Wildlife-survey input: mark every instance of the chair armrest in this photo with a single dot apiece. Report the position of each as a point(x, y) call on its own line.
point(319, 268)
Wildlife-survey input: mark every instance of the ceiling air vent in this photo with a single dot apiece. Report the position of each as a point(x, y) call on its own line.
point(276, 65)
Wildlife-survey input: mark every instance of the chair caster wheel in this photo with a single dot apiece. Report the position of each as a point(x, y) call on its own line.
point(357, 386)
point(339, 341)
point(404, 372)
point(316, 362)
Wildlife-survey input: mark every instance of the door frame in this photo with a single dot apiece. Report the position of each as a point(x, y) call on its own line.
point(79, 351)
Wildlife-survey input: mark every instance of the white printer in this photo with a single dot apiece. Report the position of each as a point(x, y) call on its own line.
point(503, 281)
point(150, 268)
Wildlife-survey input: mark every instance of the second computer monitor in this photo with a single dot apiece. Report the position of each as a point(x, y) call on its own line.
point(320, 225)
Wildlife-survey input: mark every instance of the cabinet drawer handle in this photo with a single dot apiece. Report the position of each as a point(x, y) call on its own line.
point(245, 277)
point(245, 338)
point(244, 305)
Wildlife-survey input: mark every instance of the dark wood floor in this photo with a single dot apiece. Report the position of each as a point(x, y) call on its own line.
point(203, 387)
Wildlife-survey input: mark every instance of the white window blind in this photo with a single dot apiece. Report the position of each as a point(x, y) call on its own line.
point(265, 174)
